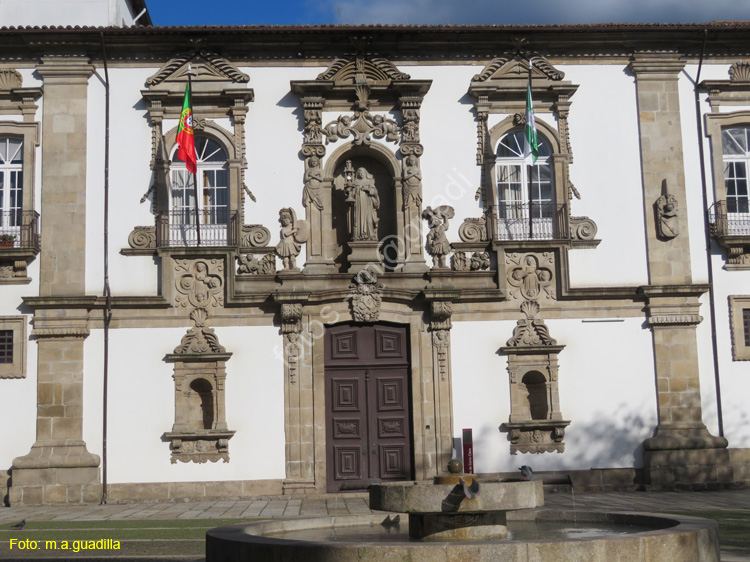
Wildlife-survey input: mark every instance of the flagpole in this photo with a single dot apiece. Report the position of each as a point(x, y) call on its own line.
point(195, 176)
point(531, 186)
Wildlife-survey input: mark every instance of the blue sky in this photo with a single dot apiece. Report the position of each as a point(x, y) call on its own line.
point(412, 12)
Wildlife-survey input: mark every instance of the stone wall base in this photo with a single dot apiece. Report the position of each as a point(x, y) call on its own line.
point(54, 486)
point(298, 486)
point(687, 469)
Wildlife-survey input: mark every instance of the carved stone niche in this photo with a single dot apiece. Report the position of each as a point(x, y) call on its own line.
point(200, 432)
point(535, 424)
point(362, 88)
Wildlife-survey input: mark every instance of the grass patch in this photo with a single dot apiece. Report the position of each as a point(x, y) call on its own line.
point(149, 537)
point(734, 527)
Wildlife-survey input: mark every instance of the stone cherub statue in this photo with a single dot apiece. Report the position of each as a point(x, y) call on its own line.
point(293, 233)
point(438, 245)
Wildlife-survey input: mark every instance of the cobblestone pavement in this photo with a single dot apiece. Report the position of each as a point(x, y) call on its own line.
point(343, 504)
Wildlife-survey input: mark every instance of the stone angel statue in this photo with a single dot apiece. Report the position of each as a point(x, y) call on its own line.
point(294, 232)
point(438, 245)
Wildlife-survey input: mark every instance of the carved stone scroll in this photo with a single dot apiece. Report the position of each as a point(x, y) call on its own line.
point(473, 230)
point(582, 228)
point(254, 236)
point(143, 238)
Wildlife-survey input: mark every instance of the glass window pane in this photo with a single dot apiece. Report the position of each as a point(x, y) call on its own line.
point(734, 141)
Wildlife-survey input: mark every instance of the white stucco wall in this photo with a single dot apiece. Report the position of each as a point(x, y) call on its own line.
point(606, 388)
point(141, 406)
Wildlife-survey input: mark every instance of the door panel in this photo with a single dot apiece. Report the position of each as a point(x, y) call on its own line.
point(368, 406)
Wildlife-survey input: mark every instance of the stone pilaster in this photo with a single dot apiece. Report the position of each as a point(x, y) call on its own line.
point(298, 405)
point(682, 451)
point(59, 469)
point(440, 327)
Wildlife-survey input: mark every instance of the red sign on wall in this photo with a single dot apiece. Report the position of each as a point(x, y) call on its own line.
point(468, 452)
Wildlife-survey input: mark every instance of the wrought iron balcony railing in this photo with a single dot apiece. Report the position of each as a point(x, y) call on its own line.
point(176, 229)
point(19, 229)
point(547, 222)
point(729, 218)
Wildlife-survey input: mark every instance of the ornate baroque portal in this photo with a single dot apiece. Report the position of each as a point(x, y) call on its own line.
point(364, 202)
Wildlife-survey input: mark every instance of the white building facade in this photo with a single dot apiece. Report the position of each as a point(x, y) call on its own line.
point(378, 267)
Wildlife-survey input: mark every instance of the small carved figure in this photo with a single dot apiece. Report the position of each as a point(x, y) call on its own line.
point(437, 242)
point(365, 202)
point(313, 127)
point(289, 246)
point(313, 190)
point(338, 129)
point(412, 183)
point(383, 127)
point(247, 264)
point(410, 130)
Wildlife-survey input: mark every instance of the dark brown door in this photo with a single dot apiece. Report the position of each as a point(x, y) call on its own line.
point(368, 405)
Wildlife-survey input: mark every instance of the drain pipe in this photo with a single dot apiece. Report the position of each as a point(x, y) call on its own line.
point(107, 292)
point(707, 235)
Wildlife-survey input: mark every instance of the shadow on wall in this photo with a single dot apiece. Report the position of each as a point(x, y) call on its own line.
point(611, 439)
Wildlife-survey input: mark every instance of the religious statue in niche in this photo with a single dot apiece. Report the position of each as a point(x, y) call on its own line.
point(363, 197)
point(667, 226)
point(412, 183)
point(313, 190)
point(437, 242)
point(293, 233)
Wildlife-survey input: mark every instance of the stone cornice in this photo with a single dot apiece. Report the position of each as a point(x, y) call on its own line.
point(65, 69)
point(657, 66)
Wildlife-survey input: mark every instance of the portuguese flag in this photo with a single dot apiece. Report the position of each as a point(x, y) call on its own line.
point(186, 136)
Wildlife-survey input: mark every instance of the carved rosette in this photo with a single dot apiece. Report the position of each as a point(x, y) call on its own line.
point(530, 276)
point(199, 283)
point(530, 331)
point(365, 296)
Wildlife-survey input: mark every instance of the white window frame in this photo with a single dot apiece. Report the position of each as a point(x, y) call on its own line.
point(11, 186)
point(513, 202)
point(213, 213)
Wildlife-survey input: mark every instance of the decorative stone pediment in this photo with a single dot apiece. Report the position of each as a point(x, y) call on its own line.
point(200, 339)
point(517, 67)
point(206, 67)
point(739, 72)
point(374, 69)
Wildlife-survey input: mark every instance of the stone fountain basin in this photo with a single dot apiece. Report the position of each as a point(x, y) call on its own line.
point(673, 539)
point(427, 497)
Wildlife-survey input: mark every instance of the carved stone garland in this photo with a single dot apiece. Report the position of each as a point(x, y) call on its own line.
point(440, 326)
point(535, 424)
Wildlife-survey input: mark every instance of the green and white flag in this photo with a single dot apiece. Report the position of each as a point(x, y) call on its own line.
point(530, 145)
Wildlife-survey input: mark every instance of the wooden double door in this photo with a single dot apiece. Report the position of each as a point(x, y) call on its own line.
point(368, 405)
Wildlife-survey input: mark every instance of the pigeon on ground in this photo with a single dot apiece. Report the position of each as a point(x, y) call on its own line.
point(20, 525)
point(526, 472)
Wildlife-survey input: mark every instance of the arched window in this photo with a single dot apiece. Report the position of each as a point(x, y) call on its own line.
point(11, 186)
point(524, 211)
point(735, 144)
point(213, 196)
